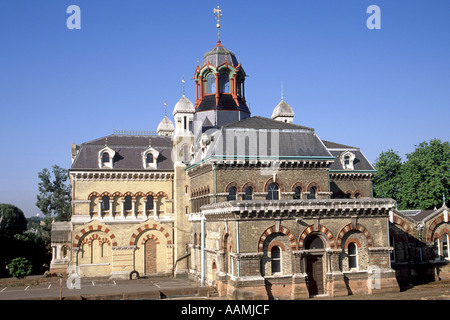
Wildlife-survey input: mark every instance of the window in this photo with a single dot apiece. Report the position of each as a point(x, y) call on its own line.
point(437, 251)
point(346, 161)
point(127, 204)
point(105, 157)
point(297, 193)
point(231, 194)
point(210, 83)
point(105, 203)
point(312, 193)
point(273, 192)
point(392, 244)
point(224, 82)
point(149, 203)
point(352, 256)
point(149, 158)
point(275, 255)
point(445, 246)
point(248, 195)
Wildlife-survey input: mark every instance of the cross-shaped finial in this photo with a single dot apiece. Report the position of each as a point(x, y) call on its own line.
point(217, 15)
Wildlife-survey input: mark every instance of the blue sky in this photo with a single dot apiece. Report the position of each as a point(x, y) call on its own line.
point(374, 89)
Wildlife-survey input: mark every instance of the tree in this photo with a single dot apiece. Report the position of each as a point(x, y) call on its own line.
point(426, 175)
point(387, 180)
point(421, 181)
point(12, 220)
point(54, 198)
point(20, 267)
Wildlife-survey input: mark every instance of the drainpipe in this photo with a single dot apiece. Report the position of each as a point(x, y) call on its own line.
point(389, 240)
point(237, 249)
point(215, 183)
point(203, 252)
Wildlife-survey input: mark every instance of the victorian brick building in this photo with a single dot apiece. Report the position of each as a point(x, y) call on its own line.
point(258, 207)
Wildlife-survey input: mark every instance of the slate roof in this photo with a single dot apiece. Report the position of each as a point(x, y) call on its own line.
point(218, 55)
point(291, 140)
point(226, 102)
point(128, 150)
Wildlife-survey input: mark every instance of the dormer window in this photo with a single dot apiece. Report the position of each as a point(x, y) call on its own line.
point(106, 158)
point(347, 159)
point(149, 158)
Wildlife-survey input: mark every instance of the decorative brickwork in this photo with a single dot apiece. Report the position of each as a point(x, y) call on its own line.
point(358, 227)
point(271, 230)
point(312, 228)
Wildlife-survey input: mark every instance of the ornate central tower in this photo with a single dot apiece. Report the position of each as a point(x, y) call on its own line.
point(220, 93)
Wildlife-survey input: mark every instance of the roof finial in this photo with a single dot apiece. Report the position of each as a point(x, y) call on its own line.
point(106, 142)
point(182, 81)
point(282, 93)
point(149, 142)
point(165, 107)
point(217, 15)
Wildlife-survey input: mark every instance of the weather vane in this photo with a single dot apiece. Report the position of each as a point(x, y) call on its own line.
point(217, 15)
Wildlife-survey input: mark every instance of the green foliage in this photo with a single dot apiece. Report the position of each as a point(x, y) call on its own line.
point(418, 183)
point(387, 180)
point(12, 220)
point(54, 198)
point(20, 267)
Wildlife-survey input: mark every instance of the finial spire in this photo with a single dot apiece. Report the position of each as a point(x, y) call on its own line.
point(282, 93)
point(165, 108)
point(182, 81)
point(217, 15)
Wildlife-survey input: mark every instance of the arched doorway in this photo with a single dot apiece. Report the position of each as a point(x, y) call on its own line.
point(315, 264)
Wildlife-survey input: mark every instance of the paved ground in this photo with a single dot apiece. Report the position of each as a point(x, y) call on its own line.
point(49, 289)
point(438, 290)
point(104, 290)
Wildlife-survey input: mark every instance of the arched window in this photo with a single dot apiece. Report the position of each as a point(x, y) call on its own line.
point(149, 158)
point(231, 194)
point(105, 202)
point(312, 193)
point(273, 192)
point(352, 256)
point(105, 157)
point(149, 203)
point(248, 195)
point(297, 193)
point(127, 204)
point(275, 256)
point(224, 82)
point(210, 83)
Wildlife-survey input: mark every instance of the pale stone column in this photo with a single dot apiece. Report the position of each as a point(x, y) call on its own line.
point(155, 208)
point(111, 207)
point(133, 208)
point(100, 208)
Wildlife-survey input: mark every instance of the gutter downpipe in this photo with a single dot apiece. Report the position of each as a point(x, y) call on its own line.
point(202, 283)
point(237, 249)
